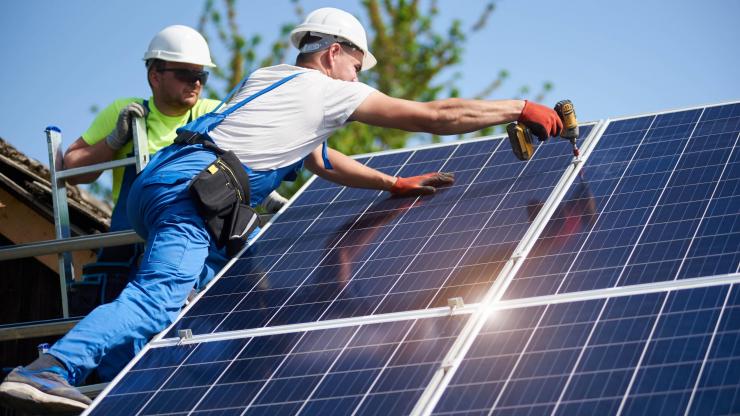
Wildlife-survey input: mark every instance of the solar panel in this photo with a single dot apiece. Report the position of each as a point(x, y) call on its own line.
point(657, 200)
point(369, 369)
point(613, 284)
point(339, 252)
point(655, 354)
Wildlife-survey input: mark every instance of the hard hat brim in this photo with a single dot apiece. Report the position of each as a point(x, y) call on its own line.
point(368, 61)
point(170, 57)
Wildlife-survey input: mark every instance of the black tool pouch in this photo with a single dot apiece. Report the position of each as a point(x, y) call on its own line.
point(221, 194)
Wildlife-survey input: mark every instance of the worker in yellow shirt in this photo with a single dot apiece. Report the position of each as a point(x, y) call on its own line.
point(176, 63)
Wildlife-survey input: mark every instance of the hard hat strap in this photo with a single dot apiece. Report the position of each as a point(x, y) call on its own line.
point(325, 40)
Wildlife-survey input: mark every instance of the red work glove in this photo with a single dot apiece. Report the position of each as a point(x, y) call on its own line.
point(542, 121)
point(421, 185)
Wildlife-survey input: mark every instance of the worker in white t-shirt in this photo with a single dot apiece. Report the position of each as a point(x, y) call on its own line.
point(193, 192)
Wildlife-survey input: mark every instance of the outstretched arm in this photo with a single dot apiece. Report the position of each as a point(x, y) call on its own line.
point(453, 115)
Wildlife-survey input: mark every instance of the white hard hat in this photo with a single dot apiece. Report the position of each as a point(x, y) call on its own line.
point(331, 21)
point(178, 43)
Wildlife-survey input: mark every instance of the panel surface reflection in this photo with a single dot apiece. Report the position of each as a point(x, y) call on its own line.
point(370, 369)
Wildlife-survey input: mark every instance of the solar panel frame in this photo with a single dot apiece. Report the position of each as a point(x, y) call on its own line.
point(178, 369)
point(581, 260)
point(458, 351)
point(160, 340)
point(478, 312)
point(605, 297)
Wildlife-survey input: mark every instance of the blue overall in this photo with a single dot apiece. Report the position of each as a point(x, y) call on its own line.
point(161, 211)
point(114, 361)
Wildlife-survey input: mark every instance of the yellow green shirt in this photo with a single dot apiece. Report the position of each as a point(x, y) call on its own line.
point(160, 129)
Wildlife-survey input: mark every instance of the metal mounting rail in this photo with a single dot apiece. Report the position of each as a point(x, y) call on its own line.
point(84, 242)
point(36, 329)
point(92, 390)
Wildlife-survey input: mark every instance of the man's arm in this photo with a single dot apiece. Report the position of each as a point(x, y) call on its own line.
point(447, 116)
point(347, 171)
point(82, 154)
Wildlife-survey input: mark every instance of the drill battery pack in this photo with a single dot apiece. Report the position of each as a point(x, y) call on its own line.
point(520, 139)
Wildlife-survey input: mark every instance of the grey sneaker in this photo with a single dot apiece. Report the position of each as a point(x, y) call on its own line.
point(43, 391)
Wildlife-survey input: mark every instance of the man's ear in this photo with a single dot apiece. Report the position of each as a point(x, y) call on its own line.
point(153, 77)
point(334, 50)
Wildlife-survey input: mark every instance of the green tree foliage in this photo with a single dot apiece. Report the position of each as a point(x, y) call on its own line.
point(242, 58)
point(416, 61)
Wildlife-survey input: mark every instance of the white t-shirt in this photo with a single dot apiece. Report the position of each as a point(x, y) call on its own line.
point(286, 124)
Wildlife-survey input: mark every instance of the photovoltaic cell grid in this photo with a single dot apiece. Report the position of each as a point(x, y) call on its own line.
point(656, 201)
point(668, 353)
point(340, 252)
point(376, 369)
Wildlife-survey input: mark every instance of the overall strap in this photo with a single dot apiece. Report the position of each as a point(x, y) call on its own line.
point(258, 93)
point(210, 120)
point(324, 150)
point(231, 93)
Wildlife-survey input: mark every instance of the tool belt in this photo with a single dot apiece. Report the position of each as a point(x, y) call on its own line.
point(221, 195)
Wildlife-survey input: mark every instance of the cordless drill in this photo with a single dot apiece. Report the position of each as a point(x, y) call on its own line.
point(521, 138)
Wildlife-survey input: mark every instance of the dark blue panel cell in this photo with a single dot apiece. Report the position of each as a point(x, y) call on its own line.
point(286, 390)
point(230, 395)
point(344, 384)
point(125, 405)
point(336, 406)
point(179, 400)
point(215, 351)
point(143, 381)
point(195, 375)
point(387, 160)
point(219, 412)
point(275, 410)
point(165, 357)
point(388, 403)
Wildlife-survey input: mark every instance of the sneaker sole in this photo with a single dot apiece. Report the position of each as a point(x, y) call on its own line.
point(25, 397)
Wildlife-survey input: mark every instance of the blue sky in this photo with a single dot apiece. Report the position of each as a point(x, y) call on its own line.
point(611, 58)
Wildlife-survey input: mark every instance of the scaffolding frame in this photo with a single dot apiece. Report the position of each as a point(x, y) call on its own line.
point(64, 244)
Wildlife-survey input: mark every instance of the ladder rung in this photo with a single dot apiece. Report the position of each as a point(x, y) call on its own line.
point(66, 173)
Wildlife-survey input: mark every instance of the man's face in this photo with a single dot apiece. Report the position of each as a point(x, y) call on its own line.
point(347, 64)
point(177, 86)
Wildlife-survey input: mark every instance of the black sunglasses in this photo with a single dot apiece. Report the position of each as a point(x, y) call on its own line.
point(187, 75)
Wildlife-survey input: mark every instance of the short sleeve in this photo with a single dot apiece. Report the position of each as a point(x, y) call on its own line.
point(341, 99)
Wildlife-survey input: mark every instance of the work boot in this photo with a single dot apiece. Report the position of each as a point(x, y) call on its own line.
point(42, 388)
